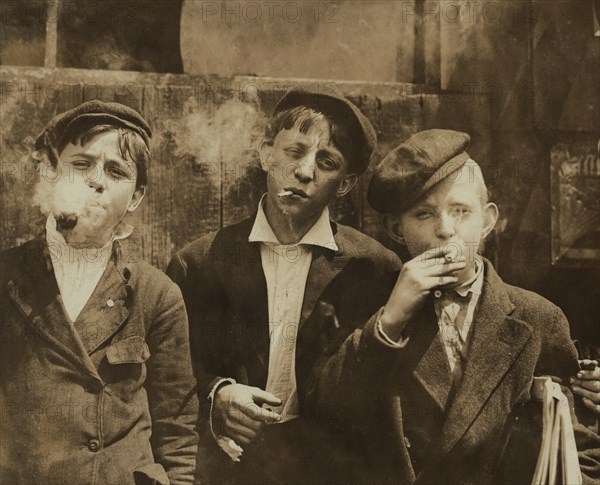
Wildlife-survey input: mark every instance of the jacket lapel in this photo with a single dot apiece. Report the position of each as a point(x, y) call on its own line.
point(108, 307)
point(325, 266)
point(37, 297)
point(239, 267)
point(428, 356)
point(497, 341)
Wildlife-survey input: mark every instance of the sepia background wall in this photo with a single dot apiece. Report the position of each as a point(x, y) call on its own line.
point(521, 76)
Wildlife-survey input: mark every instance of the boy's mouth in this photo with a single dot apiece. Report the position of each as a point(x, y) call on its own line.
point(290, 191)
point(66, 220)
point(454, 251)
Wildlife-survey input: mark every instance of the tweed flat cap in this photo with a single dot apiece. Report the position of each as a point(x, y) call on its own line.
point(410, 170)
point(342, 111)
point(99, 111)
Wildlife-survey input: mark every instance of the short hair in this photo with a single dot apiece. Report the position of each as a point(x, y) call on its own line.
point(478, 178)
point(131, 145)
point(306, 118)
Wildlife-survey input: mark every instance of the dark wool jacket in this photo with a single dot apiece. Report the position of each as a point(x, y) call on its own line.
point(107, 399)
point(225, 291)
point(397, 402)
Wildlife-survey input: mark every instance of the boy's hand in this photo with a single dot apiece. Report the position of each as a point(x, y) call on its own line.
point(417, 278)
point(239, 413)
point(587, 384)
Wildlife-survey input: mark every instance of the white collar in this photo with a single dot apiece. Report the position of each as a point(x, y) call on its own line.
point(475, 284)
point(320, 234)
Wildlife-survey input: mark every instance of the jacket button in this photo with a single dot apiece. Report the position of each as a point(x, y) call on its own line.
point(406, 442)
point(93, 445)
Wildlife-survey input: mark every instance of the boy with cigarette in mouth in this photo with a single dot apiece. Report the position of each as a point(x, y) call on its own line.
point(431, 380)
point(261, 297)
point(96, 382)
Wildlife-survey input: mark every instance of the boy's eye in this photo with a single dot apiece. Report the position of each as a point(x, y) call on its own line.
point(81, 164)
point(422, 214)
point(461, 211)
point(117, 172)
point(293, 152)
point(327, 163)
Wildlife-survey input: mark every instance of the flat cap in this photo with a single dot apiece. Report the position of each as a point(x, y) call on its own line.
point(99, 111)
point(341, 111)
point(409, 171)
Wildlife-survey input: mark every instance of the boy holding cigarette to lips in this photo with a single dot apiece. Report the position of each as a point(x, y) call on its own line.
point(261, 296)
point(430, 382)
point(96, 381)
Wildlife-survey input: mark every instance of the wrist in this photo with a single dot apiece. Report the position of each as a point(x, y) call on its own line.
point(213, 397)
point(222, 385)
point(392, 323)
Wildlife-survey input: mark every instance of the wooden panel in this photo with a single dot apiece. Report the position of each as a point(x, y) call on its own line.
point(184, 199)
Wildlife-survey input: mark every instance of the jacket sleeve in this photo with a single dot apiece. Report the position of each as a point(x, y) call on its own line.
point(354, 308)
point(206, 316)
point(338, 393)
point(170, 385)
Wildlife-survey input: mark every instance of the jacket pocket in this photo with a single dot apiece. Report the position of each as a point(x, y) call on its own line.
point(124, 369)
point(130, 350)
point(150, 474)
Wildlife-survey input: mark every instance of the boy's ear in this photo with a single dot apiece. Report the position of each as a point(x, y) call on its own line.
point(136, 199)
point(346, 185)
point(265, 155)
point(393, 227)
point(490, 216)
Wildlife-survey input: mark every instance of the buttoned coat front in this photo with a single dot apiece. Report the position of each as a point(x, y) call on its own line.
point(107, 399)
point(409, 425)
point(225, 291)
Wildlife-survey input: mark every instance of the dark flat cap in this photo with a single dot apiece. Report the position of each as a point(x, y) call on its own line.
point(341, 111)
point(409, 171)
point(99, 111)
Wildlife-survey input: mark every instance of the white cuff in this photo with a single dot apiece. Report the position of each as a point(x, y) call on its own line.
point(387, 340)
point(229, 446)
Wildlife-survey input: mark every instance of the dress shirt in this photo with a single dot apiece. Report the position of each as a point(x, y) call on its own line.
point(78, 271)
point(286, 267)
point(455, 309)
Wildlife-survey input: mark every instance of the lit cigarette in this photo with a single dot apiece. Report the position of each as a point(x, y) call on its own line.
point(285, 193)
point(453, 253)
point(66, 220)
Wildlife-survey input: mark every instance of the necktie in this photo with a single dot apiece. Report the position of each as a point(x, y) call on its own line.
point(450, 332)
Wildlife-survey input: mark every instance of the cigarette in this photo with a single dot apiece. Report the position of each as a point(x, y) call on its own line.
point(285, 193)
point(66, 220)
point(588, 365)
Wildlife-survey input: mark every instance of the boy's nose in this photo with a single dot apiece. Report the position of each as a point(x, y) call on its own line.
point(96, 180)
point(445, 226)
point(305, 168)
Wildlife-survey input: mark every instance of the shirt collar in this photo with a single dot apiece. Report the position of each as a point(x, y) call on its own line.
point(475, 284)
point(320, 234)
point(121, 231)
